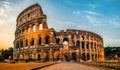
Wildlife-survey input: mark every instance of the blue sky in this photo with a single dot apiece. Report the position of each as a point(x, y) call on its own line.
point(98, 16)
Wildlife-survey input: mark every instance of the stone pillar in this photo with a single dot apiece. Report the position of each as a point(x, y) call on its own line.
point(28, 43)
point(36, 42)
point(80, 49)
point(90, 50)
point(70, 40)
point(51, 55)
point(52, 39)
point(31, 28)
point(24, 43)
point(25, 30)
point(60, 54)
point(42, 54)
point(85, 47)
point(42, 40)
point(36, 26)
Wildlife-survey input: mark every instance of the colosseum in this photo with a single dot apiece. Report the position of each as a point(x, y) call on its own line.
point(34, 40)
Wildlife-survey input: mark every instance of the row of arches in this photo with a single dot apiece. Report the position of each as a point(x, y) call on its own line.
point(30, 28)
point(92, 45)
point(26, 42)
point(89, 56)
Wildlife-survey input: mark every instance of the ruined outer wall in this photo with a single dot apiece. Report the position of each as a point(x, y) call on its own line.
point(31, 31)
point(89, 43)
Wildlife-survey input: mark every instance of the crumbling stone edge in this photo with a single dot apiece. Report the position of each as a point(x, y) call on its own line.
point(42, 66)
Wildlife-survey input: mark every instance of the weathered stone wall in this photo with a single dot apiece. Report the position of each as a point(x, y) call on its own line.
point(34, 40)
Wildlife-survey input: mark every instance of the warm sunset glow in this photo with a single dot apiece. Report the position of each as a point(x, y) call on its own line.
point(97, 16)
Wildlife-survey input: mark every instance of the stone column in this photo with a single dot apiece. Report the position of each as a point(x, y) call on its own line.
point(85, 47)
point(42, 54)
point(80, 49)
point(36, 26)
point(24, 43)
point(60, 54)
point(31, 28)
point(90, 50)
point(51, 55)
point(25, 30)
point(36, 41)
point(28, 43)
point(70, 40)
point(52, 39)
point(42, 40)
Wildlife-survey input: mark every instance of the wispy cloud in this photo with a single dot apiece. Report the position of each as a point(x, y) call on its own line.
point(91, 12)
point(93, 6)
point(91, 19)
point(76, 12)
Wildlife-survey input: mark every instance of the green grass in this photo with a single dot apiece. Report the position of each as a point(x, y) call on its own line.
point(112, 65)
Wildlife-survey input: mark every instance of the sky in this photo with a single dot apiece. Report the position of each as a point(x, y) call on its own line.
point(98, 16)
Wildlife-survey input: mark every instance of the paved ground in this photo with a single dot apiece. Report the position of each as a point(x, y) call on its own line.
point(70, 66)
point(22, 65)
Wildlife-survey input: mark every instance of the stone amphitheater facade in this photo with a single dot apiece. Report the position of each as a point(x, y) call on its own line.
point(35, 41)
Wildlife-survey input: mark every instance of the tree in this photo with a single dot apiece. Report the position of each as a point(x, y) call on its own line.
point(8, 52)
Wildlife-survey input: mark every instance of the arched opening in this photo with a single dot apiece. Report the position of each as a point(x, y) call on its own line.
point(88, 56)
point(58, 41)
point(47, 40)
point(92, 56)
point(46, 56)
point(95, 46)
point(78, 43)
point(82, 38)
point(73, 43)
point(56, 55)
point(92, 45)
point(17, 45)
point(32, 42)
point(26, 42)
point(21, 43)
point(66, 56)
point(87, 45)
point(40, 26)
point(83, 57)
point(28, 29)
point(96, 57)
point(23, 31)
point(83, 46)
point(65, 41)
point(39, 57)
point(39, 40)
point(34, 27)
point(74, 56)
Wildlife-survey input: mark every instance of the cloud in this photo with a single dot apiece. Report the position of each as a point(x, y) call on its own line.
point(114, 21)
point(91, 19)
point(112, 42)
point(76, 12)
point(91, 12)
point(92, 6)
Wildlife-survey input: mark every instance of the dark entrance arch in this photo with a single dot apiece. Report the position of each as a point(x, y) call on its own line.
point(39, 57)
point(47, 40)
point(47, 56)
point(74, 56)
point(39, 40)
point(57, 41)
point(32, 42)
point(56, 55)
point(65, 41)
point(88, 56)
point(66, 57)
point(83, 57)
point(78, 43)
